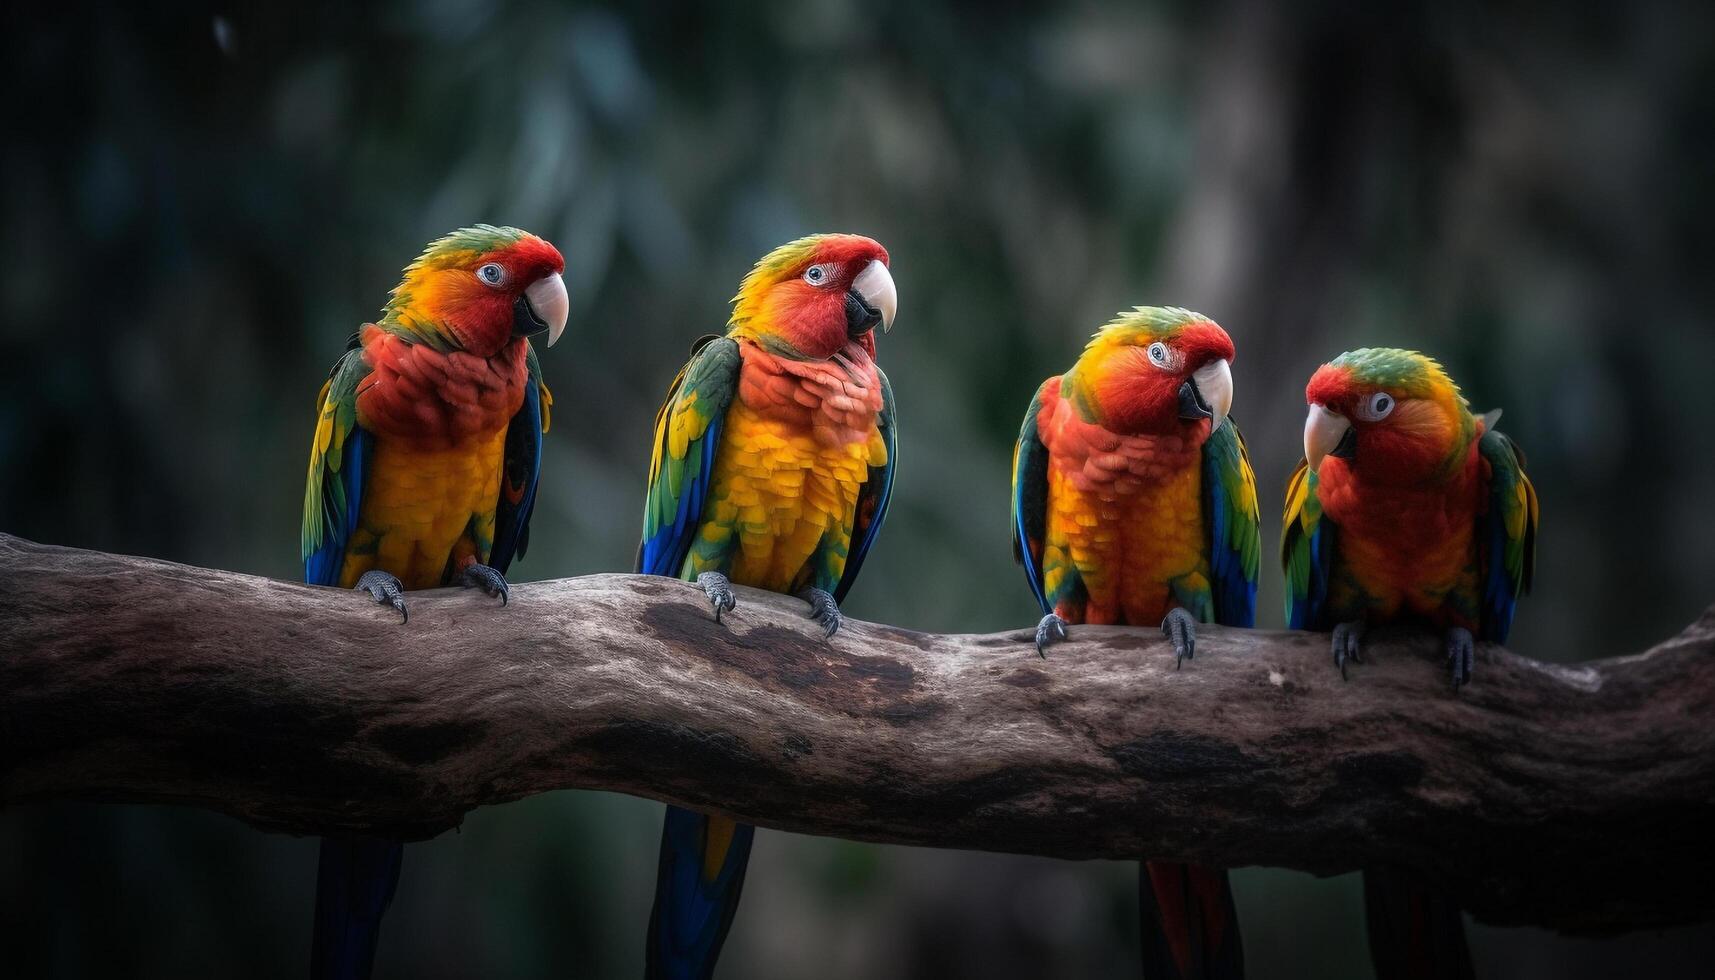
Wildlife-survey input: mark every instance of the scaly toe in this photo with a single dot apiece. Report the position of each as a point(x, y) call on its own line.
point(1347, 648)
point(1181, 630)
point(719, 590)
point(1461, 655)
point(824, 610)
point(385, 589)
point(1051, 630)
point(487, 579)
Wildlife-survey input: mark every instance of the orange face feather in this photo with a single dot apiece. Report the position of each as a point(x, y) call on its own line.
point(463, 292)
point(1132, 393)
point(795, 302)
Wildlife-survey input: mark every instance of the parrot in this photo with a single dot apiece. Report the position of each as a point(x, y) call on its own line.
point(423, 473)
point(772, 467)
point(1406, 508)
point(1133, 502)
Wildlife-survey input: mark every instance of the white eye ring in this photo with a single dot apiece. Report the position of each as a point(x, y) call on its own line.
point(1159, 355)
point(818, 275)
point(491, 273)
point(1376, 407)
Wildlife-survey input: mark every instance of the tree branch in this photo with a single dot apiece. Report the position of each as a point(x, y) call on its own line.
point(1579, 798)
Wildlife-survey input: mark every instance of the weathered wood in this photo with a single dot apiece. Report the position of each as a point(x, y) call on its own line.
point(1580, 798)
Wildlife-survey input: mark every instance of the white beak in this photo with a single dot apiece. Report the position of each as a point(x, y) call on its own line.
point(874, 285)
point(1214, 382)
point(1323, 431)
point(548, 300)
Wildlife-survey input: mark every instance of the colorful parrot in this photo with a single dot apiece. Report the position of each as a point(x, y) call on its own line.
point(773, 466)
point(1406, 508)
point(423, 473)
point(1133, 502)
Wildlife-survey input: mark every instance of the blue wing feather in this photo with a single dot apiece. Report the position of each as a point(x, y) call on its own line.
point(876, 495)
point(521, 473)
point(1030, 501)
point(1500, 602)
point(1229, 501)
point(664, 552)
point(706, 383)
point(333, 496)
point(323, 565)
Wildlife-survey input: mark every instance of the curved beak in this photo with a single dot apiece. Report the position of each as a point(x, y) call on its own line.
point(543, 305)
point(1208, 394)
point(1327, 434)
point(871, 300)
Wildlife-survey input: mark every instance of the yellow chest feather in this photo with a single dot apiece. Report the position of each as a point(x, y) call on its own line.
point(778, 491)
point(423, 509)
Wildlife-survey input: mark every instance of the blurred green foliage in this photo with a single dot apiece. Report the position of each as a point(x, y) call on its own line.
point(201, 202)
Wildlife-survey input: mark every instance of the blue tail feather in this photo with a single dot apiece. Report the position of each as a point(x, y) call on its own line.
point(692, 911)
point(355, 882)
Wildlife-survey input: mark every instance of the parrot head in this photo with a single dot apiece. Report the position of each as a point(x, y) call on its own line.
point(812, 298)
point(1392, 416)
point(1155, 370)
point(479, 288)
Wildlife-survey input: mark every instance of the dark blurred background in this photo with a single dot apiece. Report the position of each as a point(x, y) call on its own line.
point(200, 203)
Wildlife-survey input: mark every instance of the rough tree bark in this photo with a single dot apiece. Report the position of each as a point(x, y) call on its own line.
point(1580, 798)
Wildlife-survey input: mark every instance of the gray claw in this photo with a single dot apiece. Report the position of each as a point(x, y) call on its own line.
point(1461, 654)
point(1348, 645)
point(823, 610)
point(719, 590)
point(488, 580)
point(1050, 631)
point(386, 589)
point(1180, 627)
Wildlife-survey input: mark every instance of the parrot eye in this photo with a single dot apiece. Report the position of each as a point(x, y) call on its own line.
point(1160, 355)
point(1376, 407)
point(817, 275)
point(492, 274)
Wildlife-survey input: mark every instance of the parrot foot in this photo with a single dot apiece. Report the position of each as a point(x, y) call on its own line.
point(719, 590)
point(824, 610)
point(1461, 655)
point(1348, 640)
point(1050, 631)
point(479, 576)
point(386, 589)
point(1181, 629)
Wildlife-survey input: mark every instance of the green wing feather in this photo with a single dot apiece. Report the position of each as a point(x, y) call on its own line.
point(1306, 552)
point(335, 477)
point(1235, 530)
point(1508, 539)
point(687, 432)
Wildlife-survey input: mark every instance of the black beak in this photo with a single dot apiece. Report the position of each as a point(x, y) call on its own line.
point(861, 317)
point(1347, 447)
point(1191, 403)
point(525, 322)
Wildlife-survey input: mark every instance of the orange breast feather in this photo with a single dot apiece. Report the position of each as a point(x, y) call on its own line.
point(439, 423)
point(797, 447)
point(1124, 515)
